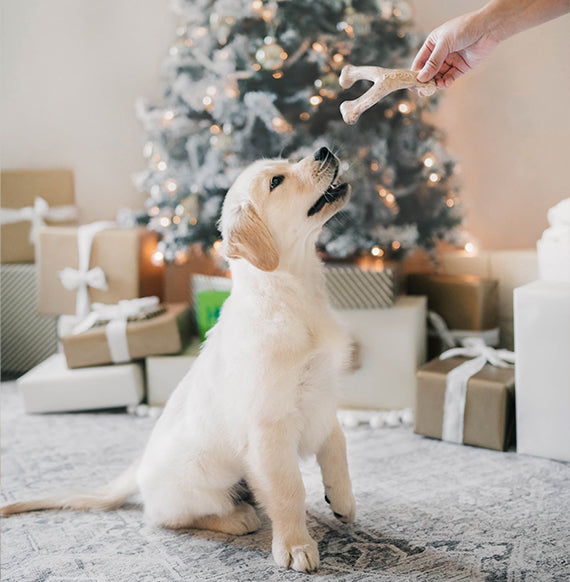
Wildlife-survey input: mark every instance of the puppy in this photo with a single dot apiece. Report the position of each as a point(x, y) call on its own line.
point(263, 390)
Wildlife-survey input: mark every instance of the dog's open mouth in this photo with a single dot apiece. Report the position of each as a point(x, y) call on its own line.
point(333, 193)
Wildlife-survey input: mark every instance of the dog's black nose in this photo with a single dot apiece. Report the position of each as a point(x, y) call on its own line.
point(322, 154)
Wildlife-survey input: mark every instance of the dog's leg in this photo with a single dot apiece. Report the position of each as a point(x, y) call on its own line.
point(334, 468)
point(276, 480)
point(242, 520)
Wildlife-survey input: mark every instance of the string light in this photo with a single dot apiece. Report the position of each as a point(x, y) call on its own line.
point(429, 160)
point(396, 245)
point(338, 58)
point(200, 32)
point(404, 107)
point(256, 5)
point(165, 221)
point(180, 257)
point(315, 100)
point(374, 166)
point(278, 75)
point(157, 258)
point(193, 221)
point(154, 211)
point(470, 247)
point(304, 116)
point(211, 91)
point(390, 198)
point(376, 251)
point(170, 185)
point(256, 67)
point(450, 203)
point(434, 178)
point(318, 47)
point(281, 125)
point(215, 129)
point(161, 165)
point(176, 219)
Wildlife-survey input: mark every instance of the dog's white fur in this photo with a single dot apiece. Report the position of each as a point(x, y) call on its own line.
point(263, 390)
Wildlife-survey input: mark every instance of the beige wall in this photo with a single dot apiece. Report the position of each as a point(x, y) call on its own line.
point(71, 70)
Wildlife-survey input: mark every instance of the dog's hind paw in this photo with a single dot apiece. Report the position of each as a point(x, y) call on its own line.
point(303, 557)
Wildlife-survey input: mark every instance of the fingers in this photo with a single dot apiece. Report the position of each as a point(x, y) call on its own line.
point(423, 54)
point(434, 62)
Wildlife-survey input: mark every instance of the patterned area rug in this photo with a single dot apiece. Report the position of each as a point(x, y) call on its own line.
point(426, 510)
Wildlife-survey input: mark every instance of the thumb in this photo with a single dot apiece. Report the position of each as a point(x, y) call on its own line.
point(433, 64)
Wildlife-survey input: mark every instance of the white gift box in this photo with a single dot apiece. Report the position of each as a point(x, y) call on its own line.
point(511, 268)
point(163, 373)
point(542, 369)
point(53, 387)
point(391, 344)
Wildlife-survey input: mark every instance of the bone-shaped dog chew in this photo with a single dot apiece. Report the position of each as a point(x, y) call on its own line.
point(385, 81)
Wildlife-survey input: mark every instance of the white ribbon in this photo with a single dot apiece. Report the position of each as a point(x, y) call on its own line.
point(117, 316)
point(37, 215)
point(451, 338)
point(457, 379)
point(82, 278)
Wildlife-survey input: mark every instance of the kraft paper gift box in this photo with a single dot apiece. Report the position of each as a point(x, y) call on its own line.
point(164, 333)
point(391, 345)
point(53, 387)
point(117, 266)
point(467, 304)
point(31, 198)
point(511, 268)
point(542, 343)
point(27, 338)
point(163, 373)
point(488, 415)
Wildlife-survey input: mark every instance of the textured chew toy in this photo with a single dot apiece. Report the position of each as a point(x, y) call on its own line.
point(385, 81)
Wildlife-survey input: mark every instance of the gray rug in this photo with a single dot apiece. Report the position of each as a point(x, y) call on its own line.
point(426, 510)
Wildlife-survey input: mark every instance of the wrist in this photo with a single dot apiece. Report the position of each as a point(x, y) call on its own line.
point(494, 21)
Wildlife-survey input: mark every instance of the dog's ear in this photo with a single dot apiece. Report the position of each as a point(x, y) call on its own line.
point(250, 239)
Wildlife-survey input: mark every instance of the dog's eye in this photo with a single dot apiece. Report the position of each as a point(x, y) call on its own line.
point(275, 181)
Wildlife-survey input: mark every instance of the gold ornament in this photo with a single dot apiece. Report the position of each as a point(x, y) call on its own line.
point(271, 55)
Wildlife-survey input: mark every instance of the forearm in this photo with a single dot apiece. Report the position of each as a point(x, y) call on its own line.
point(504, 18)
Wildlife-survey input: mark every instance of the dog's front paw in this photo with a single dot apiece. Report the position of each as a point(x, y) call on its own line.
point(301, 555)
point(343, 505)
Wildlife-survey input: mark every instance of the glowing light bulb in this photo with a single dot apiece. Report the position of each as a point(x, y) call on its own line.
point(374, 166)
point(165, 221)
point(304, 116)
point(376, 251)
point(396, 245)
point(318, 47)
point(278, 75)
point(207, 101)
point(211, 91)
point(404, 107)
point(315, 100)
point(390, 198)
point(176, 220)
point(170, 185)
point(338, 58)
point(434, 178)
point(193, 221)
point(450, 203)
point(161, 166)
point(429, 161)
point(256, 5)
point(470, 247)
point(154, 211)
point(157, 259)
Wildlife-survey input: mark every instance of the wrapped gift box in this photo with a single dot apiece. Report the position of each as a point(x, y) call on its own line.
point(489, 405)
point(542, 343)
point(20, 189)
point(392, 344)
point(511, 269)
point(27, 337)
point(209, 296)
point(165, 333)
point(124, 255)
point(467, 304)
point(53, 387)
point(163, 373)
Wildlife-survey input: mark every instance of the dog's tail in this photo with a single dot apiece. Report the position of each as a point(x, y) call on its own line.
point(110, 496)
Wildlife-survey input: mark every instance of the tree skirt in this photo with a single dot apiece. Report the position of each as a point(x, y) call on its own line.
point(426, 510)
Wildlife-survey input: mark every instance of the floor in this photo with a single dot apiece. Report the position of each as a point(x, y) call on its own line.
point(426, 511)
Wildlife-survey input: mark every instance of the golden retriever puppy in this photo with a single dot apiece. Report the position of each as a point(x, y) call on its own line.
point(263, 390)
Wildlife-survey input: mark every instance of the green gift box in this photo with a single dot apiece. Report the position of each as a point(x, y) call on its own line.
point(209, 296)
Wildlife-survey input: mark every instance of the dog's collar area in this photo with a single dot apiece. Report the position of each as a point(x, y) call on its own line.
point(332, 194)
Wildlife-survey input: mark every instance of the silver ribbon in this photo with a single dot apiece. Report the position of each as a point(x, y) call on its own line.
point(457, 379)
point(116, 328)
point(37, 215)
point(82, 278)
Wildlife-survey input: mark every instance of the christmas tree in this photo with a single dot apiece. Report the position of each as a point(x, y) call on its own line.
point(251, 79)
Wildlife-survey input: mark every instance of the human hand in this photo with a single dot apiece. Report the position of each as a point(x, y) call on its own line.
point(454, 48)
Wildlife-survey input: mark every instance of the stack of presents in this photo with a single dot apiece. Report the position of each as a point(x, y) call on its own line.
point(89, 322)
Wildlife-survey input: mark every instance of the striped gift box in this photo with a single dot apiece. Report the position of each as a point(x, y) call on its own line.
point(354, 288)
point(27, 338)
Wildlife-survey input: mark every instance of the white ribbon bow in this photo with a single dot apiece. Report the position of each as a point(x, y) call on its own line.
point(37, 215)
point(457, 379)
point(117, 316)
point(82, 278)
point(451, 338)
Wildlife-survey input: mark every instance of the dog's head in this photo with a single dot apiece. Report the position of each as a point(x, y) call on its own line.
point(275, 206)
